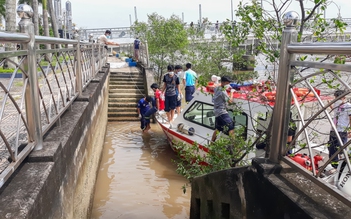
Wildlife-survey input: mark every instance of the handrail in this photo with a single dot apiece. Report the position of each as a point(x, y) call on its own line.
point(14, 37)
point(320, 48)
point(51, 80)
point(53, 40)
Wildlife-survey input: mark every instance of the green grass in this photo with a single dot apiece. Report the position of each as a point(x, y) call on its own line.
point(8, 70)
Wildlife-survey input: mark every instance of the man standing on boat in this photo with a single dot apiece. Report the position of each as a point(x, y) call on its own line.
point(223, 122)
point(171, 83)
point(104, 39)
point(342, 121)
point(189, 80)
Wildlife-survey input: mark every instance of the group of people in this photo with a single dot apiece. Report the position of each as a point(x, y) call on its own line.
point(105, 39)
point(169, 97)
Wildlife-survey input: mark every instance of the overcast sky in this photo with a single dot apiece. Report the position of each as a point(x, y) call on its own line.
point(117, 13)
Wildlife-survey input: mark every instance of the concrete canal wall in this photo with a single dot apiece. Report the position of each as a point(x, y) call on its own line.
point(263, 190)
point(58, 181)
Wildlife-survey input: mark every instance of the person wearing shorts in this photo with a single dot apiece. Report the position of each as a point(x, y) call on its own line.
point(223, 122)
point(189, 81)
point(171, 83)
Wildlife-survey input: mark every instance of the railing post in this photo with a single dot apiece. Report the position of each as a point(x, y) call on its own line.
point(25, 12)
point(281, 111)
point(147, 54)
point(93, 59)
point(78, 62)
point(100, 56)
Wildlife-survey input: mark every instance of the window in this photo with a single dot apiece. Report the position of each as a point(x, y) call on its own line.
point(240, 122)
point(201, 114)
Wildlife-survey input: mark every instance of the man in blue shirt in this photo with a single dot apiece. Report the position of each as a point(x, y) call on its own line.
point(189, 80)
point(136, 48)
point(143, 106)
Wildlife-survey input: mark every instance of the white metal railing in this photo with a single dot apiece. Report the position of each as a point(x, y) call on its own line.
point(51, 79)
point(315, 72)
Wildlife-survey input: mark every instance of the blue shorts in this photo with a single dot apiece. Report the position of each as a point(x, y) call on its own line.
point(189, 91)
point(179, 103)
point(224, 123)
point(170, 103)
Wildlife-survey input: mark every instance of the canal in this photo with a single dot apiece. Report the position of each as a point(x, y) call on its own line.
point(137, 177)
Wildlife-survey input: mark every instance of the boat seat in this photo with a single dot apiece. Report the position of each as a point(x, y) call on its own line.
point(210, 119)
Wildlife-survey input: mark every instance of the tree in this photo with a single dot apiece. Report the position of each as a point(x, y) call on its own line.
point(166, 39)
point(53, 18)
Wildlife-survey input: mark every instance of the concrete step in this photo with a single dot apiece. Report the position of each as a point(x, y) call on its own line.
point(123, 114)
point(130, 83)
point(127, 95)
point(122, 119)
point(126, 79)
point(124, 100)
point(126, 76)
point(126, 91)
point(126, 86)
point(113, 74)
point(123, 104)
point(122, 109)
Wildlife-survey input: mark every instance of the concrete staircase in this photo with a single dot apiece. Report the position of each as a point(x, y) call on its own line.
point(125, 90)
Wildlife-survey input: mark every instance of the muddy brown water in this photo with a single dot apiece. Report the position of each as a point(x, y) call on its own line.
point(137, 178)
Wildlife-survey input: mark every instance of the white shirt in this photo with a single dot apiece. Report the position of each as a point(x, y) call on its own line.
point(102, 39)
point(342, 113)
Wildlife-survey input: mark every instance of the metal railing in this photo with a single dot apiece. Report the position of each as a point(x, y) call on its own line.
point(319, 71)
point(51, 79)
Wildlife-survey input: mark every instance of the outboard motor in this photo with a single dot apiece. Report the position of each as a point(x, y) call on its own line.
point(343, 178)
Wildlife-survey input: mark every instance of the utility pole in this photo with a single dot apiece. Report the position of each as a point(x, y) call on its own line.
point(135, 12)
point(130, 20)
point(231, 6)
point(200, 15)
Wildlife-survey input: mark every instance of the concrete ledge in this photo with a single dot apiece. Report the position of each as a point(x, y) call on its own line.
point(22, 194)
point(260, 191)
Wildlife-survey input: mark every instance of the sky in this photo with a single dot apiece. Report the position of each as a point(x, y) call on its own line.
point(117, 13)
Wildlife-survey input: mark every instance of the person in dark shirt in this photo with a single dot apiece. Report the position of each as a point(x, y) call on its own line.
point(136, 48)
point(171, 84)
point(142, 107)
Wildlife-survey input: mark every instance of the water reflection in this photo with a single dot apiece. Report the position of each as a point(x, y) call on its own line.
point(137, 178)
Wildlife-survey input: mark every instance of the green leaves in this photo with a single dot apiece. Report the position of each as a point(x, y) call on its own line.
point(164, 37)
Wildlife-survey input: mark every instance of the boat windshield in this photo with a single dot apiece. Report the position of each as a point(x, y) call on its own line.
point(201, 114)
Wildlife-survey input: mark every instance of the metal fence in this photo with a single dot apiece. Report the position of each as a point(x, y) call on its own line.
point(316, 66)
point(52, 73)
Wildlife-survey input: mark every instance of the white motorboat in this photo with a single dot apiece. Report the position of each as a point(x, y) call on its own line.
point(196, 122)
